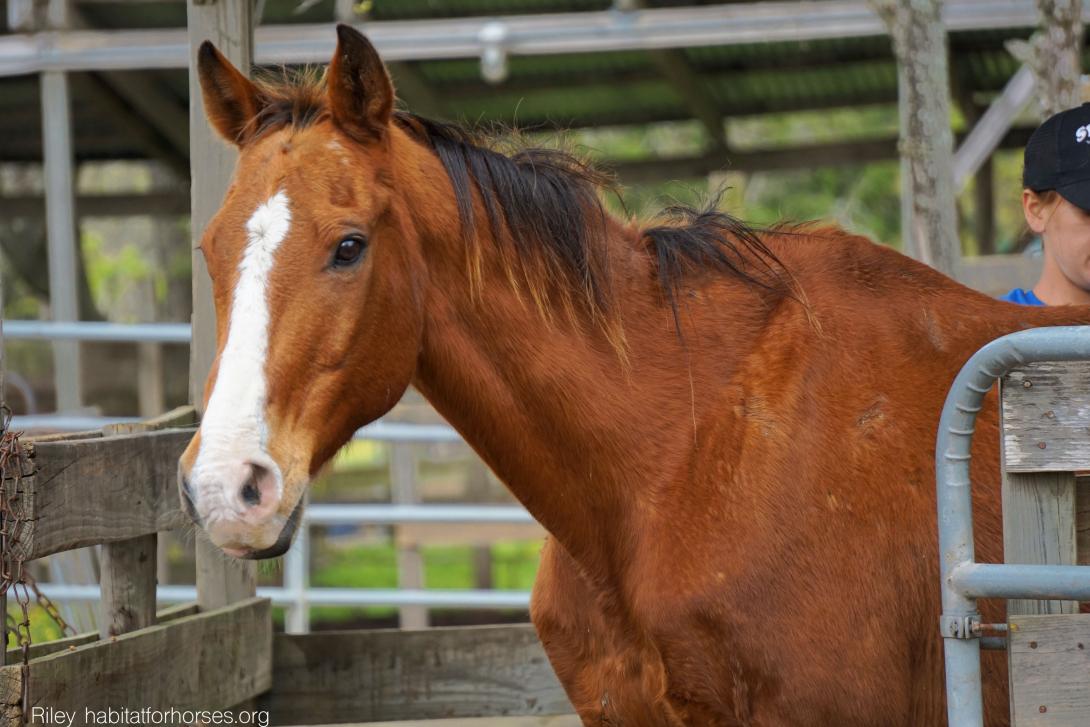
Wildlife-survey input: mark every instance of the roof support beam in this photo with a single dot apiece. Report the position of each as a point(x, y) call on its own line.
point(675, 67)
point(138, 126)
point(558, 33)
point(166, 203)
point(778, 159)
point(992, 126)
point(61, 234)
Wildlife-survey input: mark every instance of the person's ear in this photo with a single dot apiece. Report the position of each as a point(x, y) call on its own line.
point(1036, 211)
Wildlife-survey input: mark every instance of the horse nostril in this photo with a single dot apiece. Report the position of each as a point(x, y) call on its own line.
point(251, 492)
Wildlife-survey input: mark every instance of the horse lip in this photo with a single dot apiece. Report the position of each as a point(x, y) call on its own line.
point(283, 542)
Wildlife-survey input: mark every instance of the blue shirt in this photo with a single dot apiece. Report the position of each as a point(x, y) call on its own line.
point(1022, 297)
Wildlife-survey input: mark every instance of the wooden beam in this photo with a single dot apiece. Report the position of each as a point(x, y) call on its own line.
point(1039, 528)
point(1044, 417)
point(1049, 670)
point(410, 561)
point(557, 720)
point(133, 125)
point(102, 490)
point(1043, 408)
point(211, 660)
point(928, 213)
point(62, 236)
point(1054, 54)
point(554, 33)
point(363, 676)
point(127, 583)
point(685, 81)
point(163, 112)
point(154, 108)
point(230, 26)
point(989, 131)
point(165, 203)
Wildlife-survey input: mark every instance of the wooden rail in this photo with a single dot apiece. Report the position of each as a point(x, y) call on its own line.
point(1045, 410)
point(364, 676)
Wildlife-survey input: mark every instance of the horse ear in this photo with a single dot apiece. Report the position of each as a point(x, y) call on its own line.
point(361, 96)
point(231, 101)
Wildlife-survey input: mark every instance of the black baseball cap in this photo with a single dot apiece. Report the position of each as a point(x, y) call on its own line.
point(1058, 156)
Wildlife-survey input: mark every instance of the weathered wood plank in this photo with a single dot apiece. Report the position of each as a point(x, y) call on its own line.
point(104, 490)
point(1046, 417)
point(353, 676)
point(410, 561)
point(1082, 521)
point(1039, 527)
point(171, 613)
point(178, 417)
point(64, 436)
point(1050, 670)
point(127, 583)
point(177, 611)
point(230, 26)
point(15, 655)
point(558, 720)
point(210, 660)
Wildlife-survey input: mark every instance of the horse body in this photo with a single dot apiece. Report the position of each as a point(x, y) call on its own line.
point(729, 435)
point(743, 527)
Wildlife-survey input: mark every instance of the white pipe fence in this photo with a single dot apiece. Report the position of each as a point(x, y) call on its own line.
point(295, 595)
point(298, 597)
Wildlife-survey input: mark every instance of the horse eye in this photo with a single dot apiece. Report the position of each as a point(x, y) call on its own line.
point(349, 251)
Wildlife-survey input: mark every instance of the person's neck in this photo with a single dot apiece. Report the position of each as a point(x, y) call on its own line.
point(1054, 288)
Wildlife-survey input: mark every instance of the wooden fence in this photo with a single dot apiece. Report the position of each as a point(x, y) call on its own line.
point(118, 488)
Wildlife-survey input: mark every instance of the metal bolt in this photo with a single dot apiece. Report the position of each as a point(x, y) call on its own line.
point(1027, 384)
point(1042, 709)
point(1050, 414)
point(1081, 646)
point(1041, 445)
point(1033, 644)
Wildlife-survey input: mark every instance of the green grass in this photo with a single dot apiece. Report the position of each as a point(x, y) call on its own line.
point(42, 627)
point(514, 565)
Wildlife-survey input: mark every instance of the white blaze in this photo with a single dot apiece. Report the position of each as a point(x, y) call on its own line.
point(233, 429)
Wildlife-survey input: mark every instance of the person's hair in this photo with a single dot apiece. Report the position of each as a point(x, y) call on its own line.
point(1047, 196)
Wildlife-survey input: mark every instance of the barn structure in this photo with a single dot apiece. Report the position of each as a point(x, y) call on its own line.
point(94, 80)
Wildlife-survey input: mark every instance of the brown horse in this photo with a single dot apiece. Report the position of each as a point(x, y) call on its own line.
point(728, 434)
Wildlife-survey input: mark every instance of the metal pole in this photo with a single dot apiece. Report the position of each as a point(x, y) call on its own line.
point(297, 578)
point(61, 233)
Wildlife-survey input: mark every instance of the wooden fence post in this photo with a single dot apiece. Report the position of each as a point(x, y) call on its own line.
point(1041, 413)
point(128, 585)
point(1053, 53)
point(410, 563)
point(228, 24)
point(928, 213)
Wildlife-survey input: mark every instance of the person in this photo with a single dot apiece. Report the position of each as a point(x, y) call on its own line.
point(1056, 203)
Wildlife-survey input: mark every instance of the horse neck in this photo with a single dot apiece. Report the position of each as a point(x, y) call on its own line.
point(576, 435)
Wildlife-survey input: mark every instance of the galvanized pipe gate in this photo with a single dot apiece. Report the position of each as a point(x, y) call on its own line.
point(963, 579)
